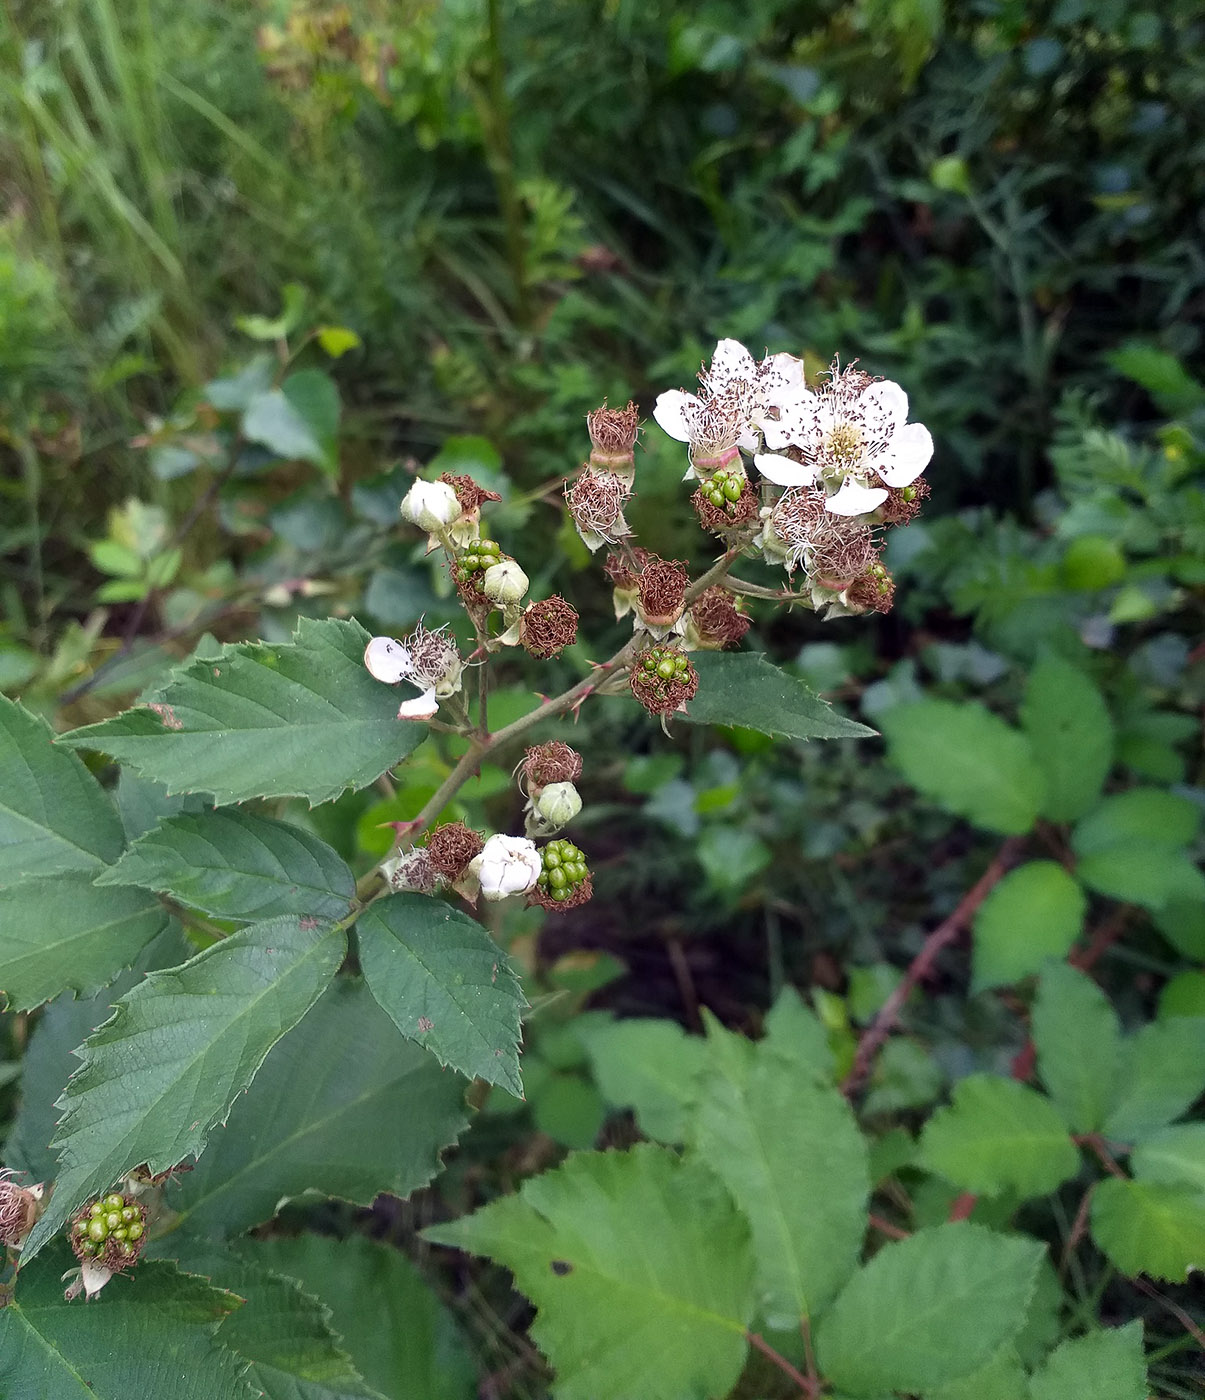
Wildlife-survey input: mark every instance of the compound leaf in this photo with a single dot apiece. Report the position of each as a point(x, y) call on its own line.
point(1148, 1227)
point(343, 1106)
point(60, 933)
point(969, 761)
point(928, 1310)
point(126, 1342)
point(744, 688)
point(177, 1051)
point(445, 983)
point(236, 865)
point(400, 1336)
point(54, 815)
point(640, 1268)
point(298, 719)
point(998, 1135)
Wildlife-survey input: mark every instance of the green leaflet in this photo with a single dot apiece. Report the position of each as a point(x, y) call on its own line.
point(343, 1105)
point(445, 983)
point(236, 865)
point(649, 1065)
point(400, 1336)
point(1078, 1041)
point(928, 1310)
point(1071, 736)
point(122, 1344)
point(1161, 1074)
point(1148, 1227)
point(53, 813)
point(640, 1268)
point(1105, 1365)
point(968, 760)
point(61, 932)
point(1036, 912)
point(744, 688)
point(180, 1047)
point(300, 719)
point(998, 1135)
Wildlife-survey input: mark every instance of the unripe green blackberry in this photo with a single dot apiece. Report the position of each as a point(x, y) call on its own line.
point(663, 679)
point(109, 1232)
point(564, 880)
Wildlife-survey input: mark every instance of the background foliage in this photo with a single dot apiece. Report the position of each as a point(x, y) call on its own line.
point(259, 263)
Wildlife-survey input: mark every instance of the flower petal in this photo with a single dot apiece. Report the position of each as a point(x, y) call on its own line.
point(909, 453)
point(784, 471)
point(731, 361)
point(780, 377)
point(883, 408)
point(674, 411)
point(855, 499)
point(387, 660)
point(421, 707)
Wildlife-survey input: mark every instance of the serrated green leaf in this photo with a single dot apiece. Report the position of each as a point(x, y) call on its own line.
point(61, 933)
point(905, 1075)
point(53, 813)
point(1078, 1041)
point(299, 719)
point(342, 1106)
point(1175, 1156)
point(281, 1330)
point(781, 1145)
point(276, 422)
point(315, 397)
point(1105, 1365)
point(640, 1269)
point(998, 1135)
point(1142, 816)
point(745, 689)
point(1150, 875)
point(1036, 912)
point(1162, 1073)
point(401, 1338)
point(794, 1034)
point(1147, 1227)
point(969, 761)
point(649, 1065)
point(1071, 735)
point(1003, 1378)
point(140, 1330)
point(928, 1310)
point(236, 865)
point(178, 1050)
point(445, 983)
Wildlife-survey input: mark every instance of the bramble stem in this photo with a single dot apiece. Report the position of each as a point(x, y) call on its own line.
point(809, 1387)
point(921, 965)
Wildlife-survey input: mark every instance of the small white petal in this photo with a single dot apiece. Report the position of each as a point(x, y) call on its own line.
point(674, 411)
point(731, 361)
point(853, 499)
point(883, 408)
point(387, 660)
point(784, 471)
point(421, 707)
point(910, 452)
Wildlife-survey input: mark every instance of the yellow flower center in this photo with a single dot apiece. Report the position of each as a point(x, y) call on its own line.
point(843, 446)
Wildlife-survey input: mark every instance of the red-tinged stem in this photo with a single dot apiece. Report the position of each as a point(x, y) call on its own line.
point(962, 1205)
point(1102, 940)
point(944, 934)
point(1177, 1312)
point(885, 1227)
point(1078, 1226)
point(808, 1386)
point(1096, 1144)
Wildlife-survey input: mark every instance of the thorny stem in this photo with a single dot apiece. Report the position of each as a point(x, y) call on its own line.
point(808, 1385)
point(943, 935)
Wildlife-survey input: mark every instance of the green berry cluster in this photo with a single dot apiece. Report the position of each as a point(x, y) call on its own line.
point(564, 870)
point(479, 556)
point(724, 489)
point(110, 1230)
point(665, 663)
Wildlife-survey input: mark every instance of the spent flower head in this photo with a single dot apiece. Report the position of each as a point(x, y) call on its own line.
point(426, 659)
point(546, 628)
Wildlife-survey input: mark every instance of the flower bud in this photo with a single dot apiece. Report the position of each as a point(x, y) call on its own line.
point(507, 865)
point(430, 505)
point(557, 805)
point(504, 582)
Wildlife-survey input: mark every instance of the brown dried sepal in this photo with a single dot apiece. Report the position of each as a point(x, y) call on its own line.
point(662, 694)
point(452, 846)
point(19, 1210)
point(546, 628)
point(731, 515)
point(613, 434)
point(114, 1252)
point(596, 501)
point(904, 503)
point(717, 620)
point(622, 571)
point(579, 895)
point(873, 591)
point(553, 762)
point(661, 591)
point(471, 496)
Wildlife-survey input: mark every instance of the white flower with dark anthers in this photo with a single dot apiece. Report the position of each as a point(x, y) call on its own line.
point(852, 435)
point(428, 660)
point(737, 392)
point(507, 865)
